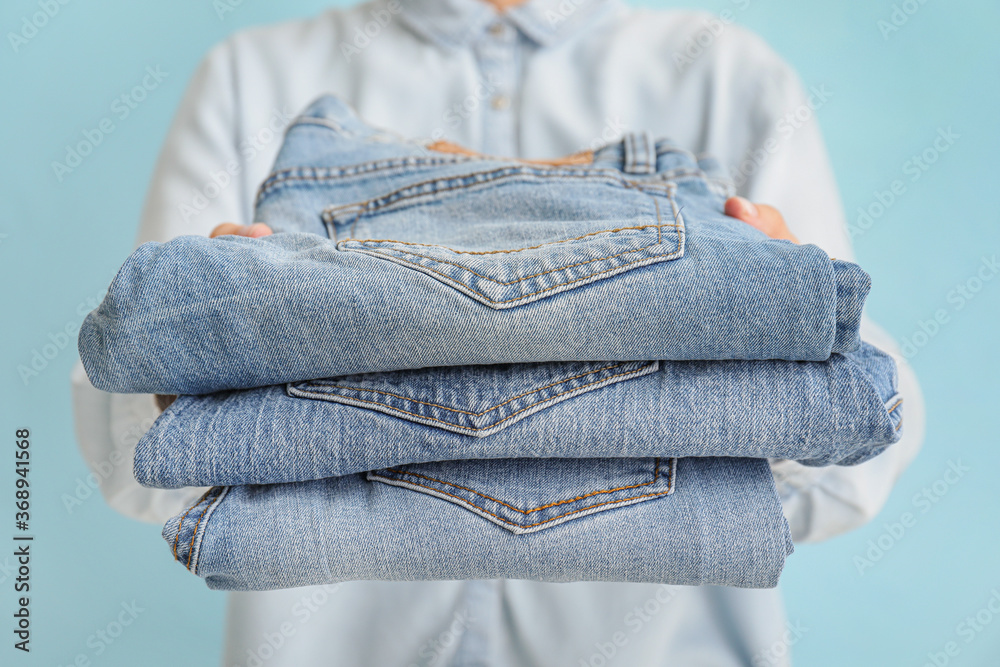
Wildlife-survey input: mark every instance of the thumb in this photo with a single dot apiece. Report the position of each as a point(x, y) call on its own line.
point(765, 218)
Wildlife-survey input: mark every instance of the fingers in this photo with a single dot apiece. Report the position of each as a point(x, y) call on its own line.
point(761, 216)
point(254, 231)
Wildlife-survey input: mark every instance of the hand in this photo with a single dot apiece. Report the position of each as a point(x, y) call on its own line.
point(763, 217)
point(254, 231)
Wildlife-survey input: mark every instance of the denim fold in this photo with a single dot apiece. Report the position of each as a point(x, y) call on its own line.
point(842, 411)
point(391, 256)
point(690, 522)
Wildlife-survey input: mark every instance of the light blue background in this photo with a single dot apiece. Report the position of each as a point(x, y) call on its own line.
point(62, 242)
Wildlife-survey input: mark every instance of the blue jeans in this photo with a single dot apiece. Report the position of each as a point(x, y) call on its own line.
point(844, 410)
point(506, 456)
point(397, 257)
point(689, 521)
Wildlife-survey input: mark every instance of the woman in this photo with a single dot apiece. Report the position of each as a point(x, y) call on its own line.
point(533, 79)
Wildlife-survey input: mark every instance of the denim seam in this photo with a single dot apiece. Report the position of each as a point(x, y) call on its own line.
point(180, 522)
point(656, 477)
point(194, 533)
point(278, 178)
point(670, 489)
point(608, 176)
point(478, 414)
point(513, 250)
point(195, 558)
point(659, 241)
point(468, 428)
point(889, 412)
point(679, 225)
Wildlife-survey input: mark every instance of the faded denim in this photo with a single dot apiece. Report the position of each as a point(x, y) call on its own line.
point(688, 521)
point(398, 257)
point(844, 410)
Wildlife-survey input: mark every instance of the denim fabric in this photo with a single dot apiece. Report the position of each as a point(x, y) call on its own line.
point(844, 410)
point(688, 521)
point(398, 257)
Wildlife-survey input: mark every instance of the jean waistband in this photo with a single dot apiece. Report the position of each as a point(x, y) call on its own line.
point(636, 154)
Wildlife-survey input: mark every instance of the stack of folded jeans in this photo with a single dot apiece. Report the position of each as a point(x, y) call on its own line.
point(453, 366)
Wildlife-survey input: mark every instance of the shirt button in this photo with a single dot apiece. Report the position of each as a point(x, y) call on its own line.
point(500, 102)
point(498, 29)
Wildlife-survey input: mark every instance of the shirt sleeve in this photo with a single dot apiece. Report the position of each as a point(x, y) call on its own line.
point(196, 185)
point(788, 167)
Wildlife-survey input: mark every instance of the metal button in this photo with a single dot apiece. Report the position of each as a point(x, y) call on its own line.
point(500, 102)
point(498, 29)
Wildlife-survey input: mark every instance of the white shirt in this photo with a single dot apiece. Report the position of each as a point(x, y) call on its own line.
point(545, 79)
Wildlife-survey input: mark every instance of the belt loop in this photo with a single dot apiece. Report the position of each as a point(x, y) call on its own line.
point(640, 153)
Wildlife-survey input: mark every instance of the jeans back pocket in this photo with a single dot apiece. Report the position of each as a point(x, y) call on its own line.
point(516, 234)
point(471, 400)
point(528, 495)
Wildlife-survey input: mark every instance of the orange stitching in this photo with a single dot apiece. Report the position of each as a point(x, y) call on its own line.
point(530, 525)
point(510, 416)
point(180, 523)
point(679, 250)
point(893, 408)
point(518, 280)
point(656, 476)
point(194, 533)
point(495, 252)
point(547, 289)
point(451, 148)
point(203, 514)
point(480, 414)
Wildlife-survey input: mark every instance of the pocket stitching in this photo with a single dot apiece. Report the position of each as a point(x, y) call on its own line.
point(670, 488)
point(450, 279)
point(609, 177)
point(500, 405)
point(513, 250)
point(494, 424)
point(659, 241)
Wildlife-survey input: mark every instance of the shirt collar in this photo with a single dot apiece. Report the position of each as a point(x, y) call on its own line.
point(457, 23)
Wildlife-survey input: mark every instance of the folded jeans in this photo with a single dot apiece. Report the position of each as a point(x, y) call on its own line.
point(390, 256)
point(844, 410)
point(686, 522)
